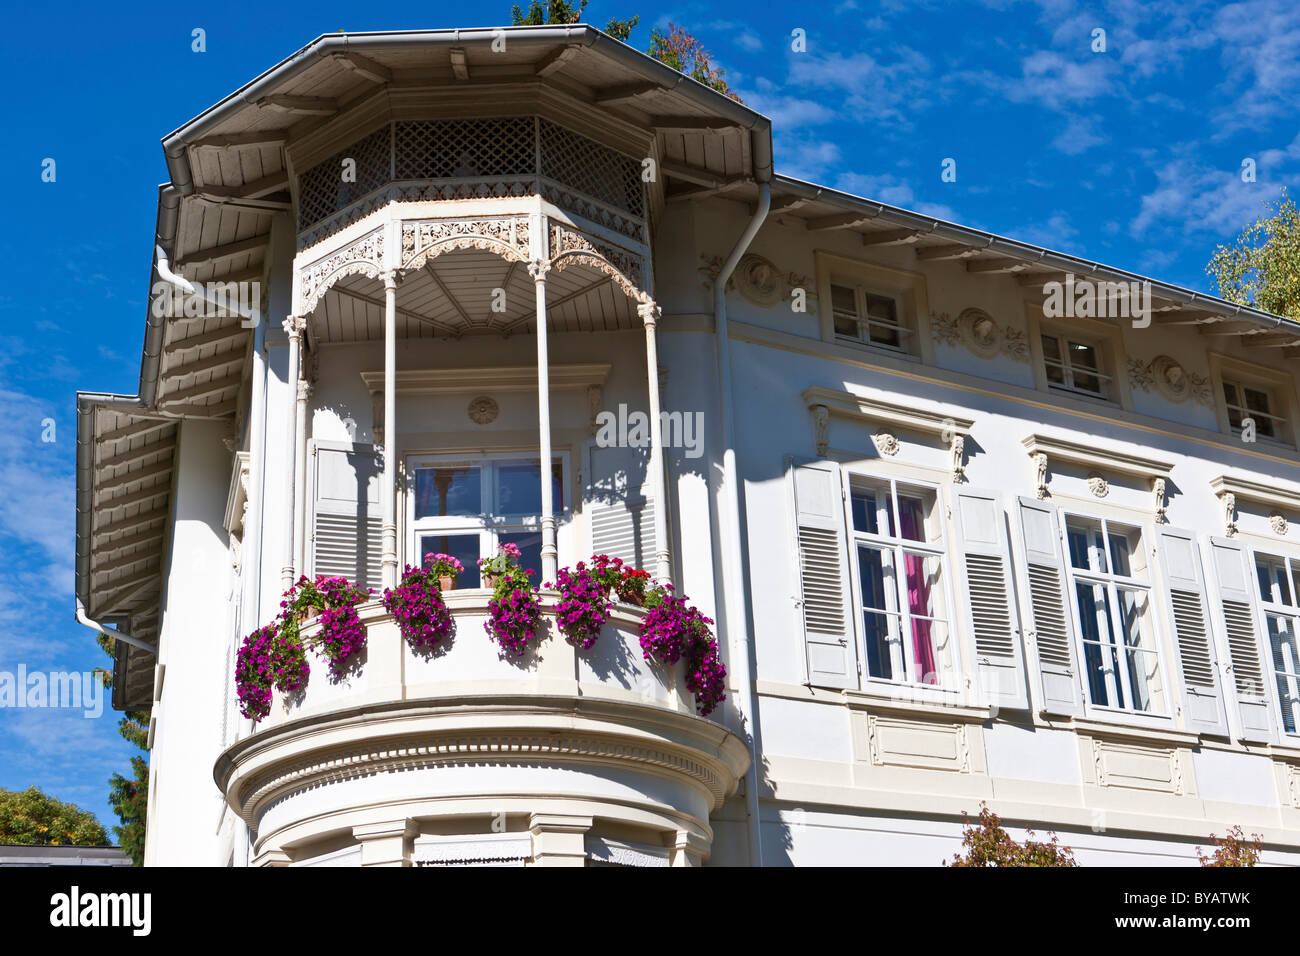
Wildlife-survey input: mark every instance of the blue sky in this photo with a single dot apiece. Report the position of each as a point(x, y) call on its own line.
point(1131, 157)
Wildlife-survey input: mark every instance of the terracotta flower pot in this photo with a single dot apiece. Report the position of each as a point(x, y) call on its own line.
point(306, 614)
point(490, 580)
point(447, 582)
point(633, 598)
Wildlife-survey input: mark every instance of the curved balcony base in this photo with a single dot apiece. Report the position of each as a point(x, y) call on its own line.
point(537, 769)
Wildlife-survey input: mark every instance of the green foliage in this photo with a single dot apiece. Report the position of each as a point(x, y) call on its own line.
point(683, 52)
point(990, 845)
point(622, 29)
point(130, 800)
point(1262, 269)
point(1232, 850)
point(32, 818)
point(553, 11)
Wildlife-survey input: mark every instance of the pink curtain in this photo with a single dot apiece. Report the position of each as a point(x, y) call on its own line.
point(918, 593)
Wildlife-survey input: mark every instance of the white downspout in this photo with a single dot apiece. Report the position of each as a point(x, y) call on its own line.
point(733, 568)
point(185, 285)
point(113, 633)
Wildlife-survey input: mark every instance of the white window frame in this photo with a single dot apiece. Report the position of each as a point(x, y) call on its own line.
point(950, 683)
point(489, 525)
point(1279, 386)
point(907, 289)
point(1281, 424)
point(864, 322)
point(1279, 608)
point(1068, 370)
point(1106, 337)
point(1112, 583)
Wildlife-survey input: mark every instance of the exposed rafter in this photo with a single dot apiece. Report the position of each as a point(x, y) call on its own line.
point(556, 59)
point(556, 303)
point(140, 520)
point(115, 601)
point(131, 541)
point(135, 455)
point(706, 124)
point(210, 364)
point(308, 105)
point(693, 174)
point(459, 63)
point(953, 251)
point(447, 294)
point(891, 237)
point(135, 498)
point(216, 253)
point(134, 430)
point(364, 67)
point(266, 137)
point(626, 93)
point(996, 265)
point(379, 304)
point(842, 220)
point(1270, 340)
point(201, 391)
point(126, 561)
point(215, 337)
point(131, 477)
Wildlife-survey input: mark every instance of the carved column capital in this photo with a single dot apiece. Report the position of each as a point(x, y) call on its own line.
point(538, 269)
point(293, 326)
point(304, 389)
point(649, 312)
point(389, 278)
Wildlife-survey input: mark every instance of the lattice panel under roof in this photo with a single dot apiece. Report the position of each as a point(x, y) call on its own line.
point(447, 149)
point(322, 190)
point(591, 168)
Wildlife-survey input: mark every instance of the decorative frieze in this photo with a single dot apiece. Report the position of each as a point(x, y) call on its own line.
point(885, 443)
point(978, 332)
point(1169, 379)
point(759, 280)
point(363, 257)
point(483, 410)
point(423, 239)
point(570, 247)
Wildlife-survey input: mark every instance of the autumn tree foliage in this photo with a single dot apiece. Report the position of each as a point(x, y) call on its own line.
point(1232, 850)
point(1261, 269)
point(989, 845)
point(32, 818)
point(678, 48)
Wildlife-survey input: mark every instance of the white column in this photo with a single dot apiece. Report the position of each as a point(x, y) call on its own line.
point(649, 313)
point(293, 327)
point(390, 430)
point(538, 269)
point(300, 479)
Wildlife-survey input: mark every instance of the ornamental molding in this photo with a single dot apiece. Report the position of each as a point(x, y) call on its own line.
point(1281, 499)
point(1045, 451)
point(504, 379)
point(472, 848)
point(759, 280)
point(1170, 379)
point(399, 748)
point(425, 239)
point(237, 506)
point(980, 334)
point(1277, 521)
point(950, 430)
point(483, 410)
point(885, 443)
point(594, 212)
point(568, 247)
point(365, 257)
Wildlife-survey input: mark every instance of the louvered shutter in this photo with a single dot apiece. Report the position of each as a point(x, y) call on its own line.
point(1237, 618)
point(825, 606)
point(999, 659)
point(1049, 611)
point(620, 510)
point(347, 521)
point(1193, 639)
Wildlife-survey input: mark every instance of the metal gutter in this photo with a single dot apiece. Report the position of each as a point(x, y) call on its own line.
point(1015, 249)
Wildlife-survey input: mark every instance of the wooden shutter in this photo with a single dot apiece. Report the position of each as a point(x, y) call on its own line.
point(1049, 611)
point(1237, 618)
point(620, 510)
point(999, 659)
point(347, 520)
point(825, 605)
point(1193, 639)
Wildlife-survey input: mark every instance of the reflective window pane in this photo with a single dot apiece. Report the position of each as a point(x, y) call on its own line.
point(876, 579)
point(1083, 536)
point(448, 491)
point(1270, 572)
point(530, 548)
point(1140, 651)
point(873, 510)
point(914, 510)
point(1285, 651)
point(519, 488)
point(844, 307)
point(463, 547)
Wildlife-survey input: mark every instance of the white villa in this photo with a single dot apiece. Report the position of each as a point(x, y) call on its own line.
point(960, 545)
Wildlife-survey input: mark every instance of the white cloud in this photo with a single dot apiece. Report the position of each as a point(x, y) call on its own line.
point(892, 191)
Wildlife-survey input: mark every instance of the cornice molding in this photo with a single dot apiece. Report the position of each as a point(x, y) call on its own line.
point(849, 405)
point(1097, 456)
point(1246, 490)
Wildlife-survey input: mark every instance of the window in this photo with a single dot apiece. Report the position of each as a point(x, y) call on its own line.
point(1247, 402)
point(1279, 594)
point(897, 553)
point(867, 316)
point(466, 508)
point(1109, 580)
point(1075, 365)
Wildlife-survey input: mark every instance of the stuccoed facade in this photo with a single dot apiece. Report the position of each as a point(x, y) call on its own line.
point(958, 549)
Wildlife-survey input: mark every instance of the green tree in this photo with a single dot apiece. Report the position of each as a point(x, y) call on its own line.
point(990, 845)
point(33, 818)
point(1232, 850)
point(1262, 268)
point(129, 797)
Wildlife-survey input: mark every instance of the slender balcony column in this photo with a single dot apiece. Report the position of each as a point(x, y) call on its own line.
point(390, 430)
point(300, 479)
point(538, 269)
point(293, 327)
point(649, 313)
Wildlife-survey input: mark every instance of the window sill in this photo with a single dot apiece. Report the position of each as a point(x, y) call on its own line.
point(1107, 726)
point(855, 346)
point(931, 706)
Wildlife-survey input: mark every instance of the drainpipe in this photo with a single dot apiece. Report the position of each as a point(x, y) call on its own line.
point(113, 633)
point(202, 291)
point(733, 558)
